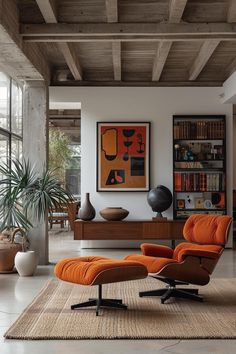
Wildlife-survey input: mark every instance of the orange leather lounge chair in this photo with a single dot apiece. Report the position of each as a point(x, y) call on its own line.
point(190, 262)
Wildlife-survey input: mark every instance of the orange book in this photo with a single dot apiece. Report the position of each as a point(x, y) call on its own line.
point(178, 184)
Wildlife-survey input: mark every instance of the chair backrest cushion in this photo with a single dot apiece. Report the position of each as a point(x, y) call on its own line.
point(207, 229)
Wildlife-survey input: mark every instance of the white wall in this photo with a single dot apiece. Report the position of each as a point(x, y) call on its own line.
point(234, 152)
point(156, 105)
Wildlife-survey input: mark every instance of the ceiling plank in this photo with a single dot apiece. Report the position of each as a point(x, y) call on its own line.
point(232, 11)
point(48, 10)
point(160, 59)
point(202, 58)
point(116, 57)
point(112, 11)
point(176, 10)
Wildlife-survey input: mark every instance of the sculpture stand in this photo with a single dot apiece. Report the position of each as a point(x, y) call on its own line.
point(159, 218)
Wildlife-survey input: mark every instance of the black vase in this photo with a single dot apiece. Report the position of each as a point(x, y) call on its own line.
point(87, 211)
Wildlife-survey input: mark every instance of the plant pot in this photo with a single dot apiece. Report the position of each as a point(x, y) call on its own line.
point(26, 263)
point(8, 249)
point(114, 213)
point(7, 256)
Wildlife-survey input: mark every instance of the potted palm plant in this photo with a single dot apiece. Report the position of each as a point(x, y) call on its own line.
point(26, 197)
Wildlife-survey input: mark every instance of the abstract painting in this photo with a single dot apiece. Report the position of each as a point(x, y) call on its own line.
point(123, 156)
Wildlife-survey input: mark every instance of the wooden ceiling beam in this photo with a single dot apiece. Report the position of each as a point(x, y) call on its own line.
point(116, 57)
point(61, 117)
point(232, 11)
point(49, 12)
point(65, 127)
point(175, 14)
point(202, 58)
point(27, 61)
point(131, 31)
point(112, 11)
point(231, 67)
point(112, 16)
point(176, 10)
point(160, 59)
point(138, 83)
point(71, 59)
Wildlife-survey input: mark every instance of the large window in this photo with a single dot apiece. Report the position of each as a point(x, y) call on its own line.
point(4, 101)
point(10, 118)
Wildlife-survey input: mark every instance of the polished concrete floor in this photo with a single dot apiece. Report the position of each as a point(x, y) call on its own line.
point(17, 292)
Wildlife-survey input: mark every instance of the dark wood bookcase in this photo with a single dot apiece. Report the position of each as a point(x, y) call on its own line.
point(199, 165)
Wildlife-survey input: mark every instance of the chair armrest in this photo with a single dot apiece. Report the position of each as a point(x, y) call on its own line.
point(197, 253)
point(149, 249)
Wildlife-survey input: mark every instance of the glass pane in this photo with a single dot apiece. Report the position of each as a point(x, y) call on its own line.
point(16, 148)
point(73, 177)
point(4, 101)
point(4, 149)
point(16, 109)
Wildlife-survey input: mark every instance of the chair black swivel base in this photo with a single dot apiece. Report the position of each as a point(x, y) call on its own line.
point(100, 302)
point(172, 291)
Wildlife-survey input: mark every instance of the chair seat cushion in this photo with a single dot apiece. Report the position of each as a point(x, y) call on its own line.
point(58, 215)
point(153, 264)
point(98, 270)
point(187, 248)
point(149, 249)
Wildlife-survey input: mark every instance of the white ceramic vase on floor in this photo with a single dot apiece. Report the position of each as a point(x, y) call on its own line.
point(26, 263)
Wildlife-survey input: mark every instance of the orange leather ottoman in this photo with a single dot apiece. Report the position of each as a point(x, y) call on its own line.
point(99, 271)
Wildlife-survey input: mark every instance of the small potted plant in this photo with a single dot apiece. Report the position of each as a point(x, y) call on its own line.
point(26, 197)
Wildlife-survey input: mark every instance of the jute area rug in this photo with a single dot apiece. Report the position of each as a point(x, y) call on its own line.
point(49, 316)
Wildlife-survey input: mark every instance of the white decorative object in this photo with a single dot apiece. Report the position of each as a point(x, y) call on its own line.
point(208, 204)
point(26, 263)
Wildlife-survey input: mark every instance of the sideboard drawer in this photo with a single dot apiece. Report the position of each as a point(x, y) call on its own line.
point(156, 230)
point(112, 231)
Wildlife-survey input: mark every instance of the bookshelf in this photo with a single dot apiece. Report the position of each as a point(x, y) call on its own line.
point(199, 165)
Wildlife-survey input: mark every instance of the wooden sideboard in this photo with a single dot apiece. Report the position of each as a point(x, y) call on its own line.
point(129, 230)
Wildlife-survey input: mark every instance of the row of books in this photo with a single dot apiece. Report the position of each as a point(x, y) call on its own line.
point(185, 214)
point(187, 164)
point(199, 130)
point(194, 182)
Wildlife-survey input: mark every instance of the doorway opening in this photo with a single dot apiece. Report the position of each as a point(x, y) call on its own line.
point(65, 161)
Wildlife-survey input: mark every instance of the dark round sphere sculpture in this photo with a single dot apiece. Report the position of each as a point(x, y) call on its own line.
point(159, 199)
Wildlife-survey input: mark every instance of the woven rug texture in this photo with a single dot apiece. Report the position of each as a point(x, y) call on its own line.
point(49, 315)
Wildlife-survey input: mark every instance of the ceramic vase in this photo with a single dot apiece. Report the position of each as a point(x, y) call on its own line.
point(114, 213)
point(26, 263)
point(87, 211)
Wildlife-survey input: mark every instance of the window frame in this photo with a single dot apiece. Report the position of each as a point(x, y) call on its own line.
point(9, 133)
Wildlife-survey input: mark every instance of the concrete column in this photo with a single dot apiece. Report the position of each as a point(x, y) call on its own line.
point(35, 148)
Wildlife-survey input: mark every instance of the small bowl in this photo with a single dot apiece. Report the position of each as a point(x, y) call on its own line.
point(114, 213)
